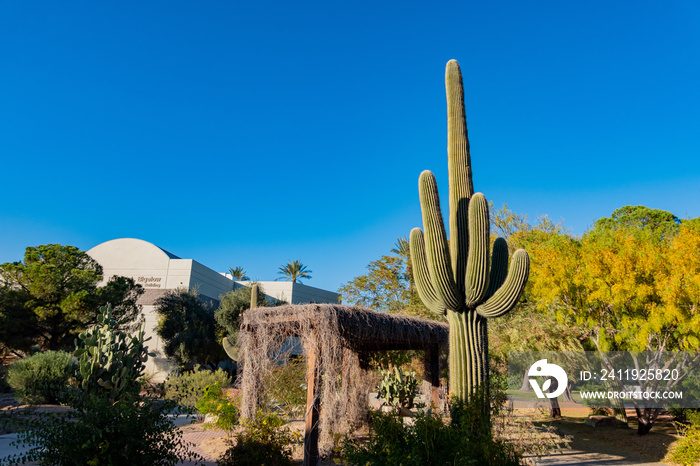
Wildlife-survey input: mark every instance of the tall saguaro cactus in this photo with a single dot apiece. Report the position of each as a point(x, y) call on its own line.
point(460, 278)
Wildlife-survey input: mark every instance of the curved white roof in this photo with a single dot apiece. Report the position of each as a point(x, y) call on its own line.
point(130, 253)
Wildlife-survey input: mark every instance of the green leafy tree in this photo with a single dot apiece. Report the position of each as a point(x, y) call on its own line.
point(231, 308)
point(54, 291)
point(17, 322)
point(294, 271)
point(507, 223)
point(386, 287)
point(188, 328)
point(639, 217)
point(383, 288)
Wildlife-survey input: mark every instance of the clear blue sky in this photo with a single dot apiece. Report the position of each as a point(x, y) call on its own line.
point(252, 133)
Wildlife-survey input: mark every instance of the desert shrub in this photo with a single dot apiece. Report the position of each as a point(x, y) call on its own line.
point(225, 410)
point(264, 440)
point(288, 387)
point(429, 440)
point(188, 387)
point(99, 432)
point(41, 377)
point(687, 449)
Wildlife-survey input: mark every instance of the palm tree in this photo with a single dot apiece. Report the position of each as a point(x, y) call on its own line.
point(402, 249)
point(238, 273)
point(294, 270)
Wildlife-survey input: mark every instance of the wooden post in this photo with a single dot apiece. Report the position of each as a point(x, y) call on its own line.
point(435, 375)
point(313, 406)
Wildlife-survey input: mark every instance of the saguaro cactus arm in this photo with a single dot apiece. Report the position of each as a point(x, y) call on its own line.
point(508, 294)
point(437, 252)
point(231, 350)
point(477, 276)
point(424, 286)
point(499, 266)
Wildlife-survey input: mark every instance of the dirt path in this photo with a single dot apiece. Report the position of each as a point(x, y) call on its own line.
point(610, 446)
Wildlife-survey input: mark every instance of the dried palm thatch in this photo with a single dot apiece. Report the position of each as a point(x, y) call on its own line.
point(336, 339)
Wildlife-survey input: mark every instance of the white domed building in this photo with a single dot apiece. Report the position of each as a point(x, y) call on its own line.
point(160, 271)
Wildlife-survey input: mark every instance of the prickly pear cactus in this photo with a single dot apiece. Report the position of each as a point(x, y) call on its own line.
point(109, 360)
point(398, 388)
point(463, 278)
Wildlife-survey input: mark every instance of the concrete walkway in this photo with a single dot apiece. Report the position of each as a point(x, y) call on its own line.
point(587, 458)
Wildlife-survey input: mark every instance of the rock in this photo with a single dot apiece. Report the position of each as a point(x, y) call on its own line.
point(601, 421)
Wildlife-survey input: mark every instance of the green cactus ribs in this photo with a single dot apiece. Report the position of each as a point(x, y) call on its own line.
point(464, 279)
point(230, 347)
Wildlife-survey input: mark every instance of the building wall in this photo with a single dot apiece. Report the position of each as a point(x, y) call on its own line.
point(296, 293)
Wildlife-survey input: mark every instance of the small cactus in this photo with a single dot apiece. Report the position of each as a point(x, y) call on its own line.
point(463, 278)
point(254, 295)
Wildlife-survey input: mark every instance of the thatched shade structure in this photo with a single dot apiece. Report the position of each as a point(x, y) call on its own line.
point(336, 340)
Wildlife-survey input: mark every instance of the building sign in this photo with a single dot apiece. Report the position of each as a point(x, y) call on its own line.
point(150, 282)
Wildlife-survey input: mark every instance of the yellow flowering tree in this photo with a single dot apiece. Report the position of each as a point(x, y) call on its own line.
point(633, 284)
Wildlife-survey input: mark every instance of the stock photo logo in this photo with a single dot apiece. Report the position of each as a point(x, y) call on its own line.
point(542, 368)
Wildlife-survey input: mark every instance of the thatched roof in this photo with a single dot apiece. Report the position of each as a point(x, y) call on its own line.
point(359, 328)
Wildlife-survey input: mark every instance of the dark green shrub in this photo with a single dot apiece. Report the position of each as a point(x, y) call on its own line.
point(249, 452)
point(98, 432)
point(595, 406)
point(41, 377)
point(187, 328)
point(430, 441)
point(188, 387)
point(263, 441)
